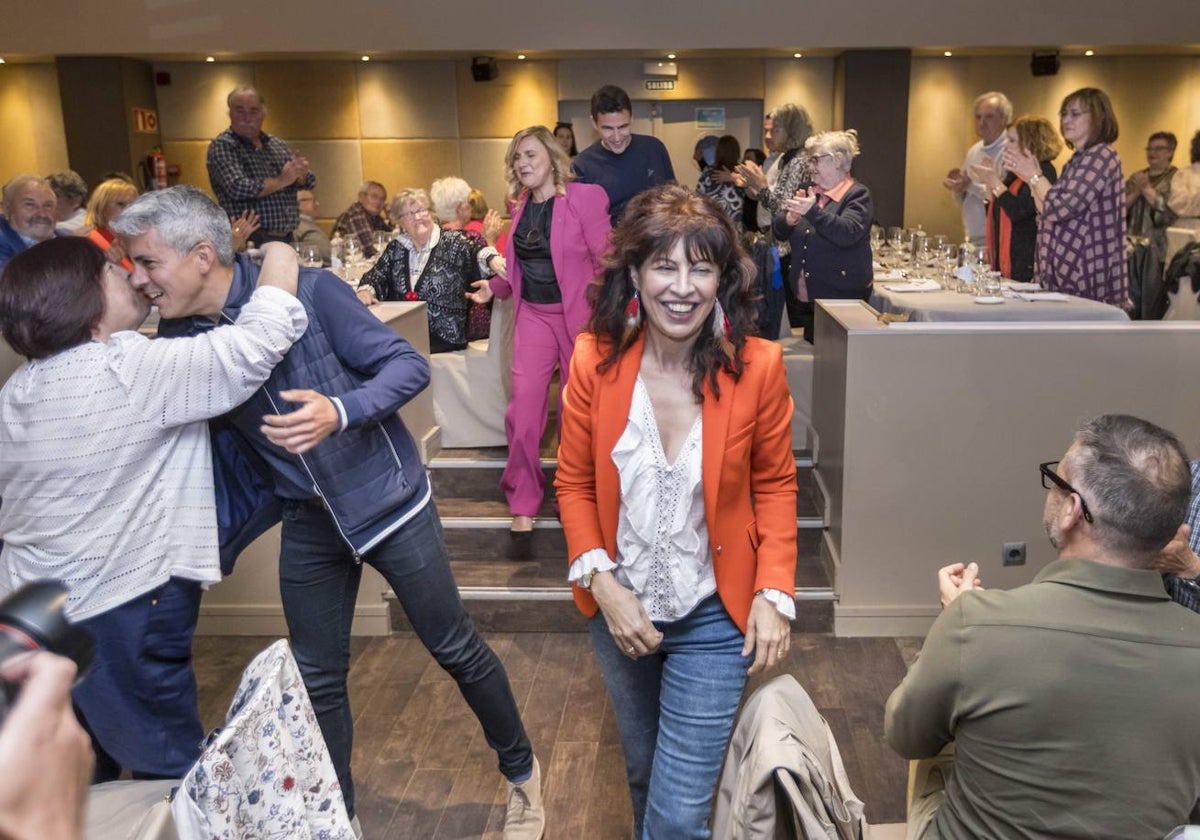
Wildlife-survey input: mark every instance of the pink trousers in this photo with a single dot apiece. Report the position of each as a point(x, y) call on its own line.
point(541, 342)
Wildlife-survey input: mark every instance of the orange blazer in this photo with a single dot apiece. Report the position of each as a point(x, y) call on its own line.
point(748, 467)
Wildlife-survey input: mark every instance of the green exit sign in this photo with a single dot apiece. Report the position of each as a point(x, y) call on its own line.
point(660, 84)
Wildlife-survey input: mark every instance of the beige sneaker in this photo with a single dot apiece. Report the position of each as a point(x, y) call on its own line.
point(526, 818)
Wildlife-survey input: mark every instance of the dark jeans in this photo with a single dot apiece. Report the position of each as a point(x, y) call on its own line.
point(138, 698)
point(318, 582)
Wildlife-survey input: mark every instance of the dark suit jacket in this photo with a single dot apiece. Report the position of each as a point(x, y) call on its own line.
point(833, 246)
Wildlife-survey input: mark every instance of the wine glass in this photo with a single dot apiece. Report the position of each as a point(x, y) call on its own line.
point(352, 250)
point(876, 240)
point(310, 256)
point(382, 239)
point(948, 258)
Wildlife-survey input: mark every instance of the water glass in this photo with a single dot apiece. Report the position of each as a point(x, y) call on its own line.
point(990, 284)
point(948, 258)
point(382, 239)
point(310, 256)
point(352, 250)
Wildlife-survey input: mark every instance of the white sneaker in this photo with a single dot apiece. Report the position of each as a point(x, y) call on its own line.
point(525, 818)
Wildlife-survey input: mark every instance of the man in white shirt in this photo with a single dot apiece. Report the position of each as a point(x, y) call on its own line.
point(993, 113)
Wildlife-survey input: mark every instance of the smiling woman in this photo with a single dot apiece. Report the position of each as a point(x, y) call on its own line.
point(669, 408)
point(129, 520)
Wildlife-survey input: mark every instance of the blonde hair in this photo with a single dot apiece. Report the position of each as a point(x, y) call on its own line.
point(560, 165)
point(107, 191)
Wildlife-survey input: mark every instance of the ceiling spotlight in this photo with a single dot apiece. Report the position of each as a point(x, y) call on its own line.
point(671, 56)
point(1089, 52)
point(210, 59)
point(366, 58)
point(797, 55)
point(947, 53)
point(520, 56)
point(1, 60)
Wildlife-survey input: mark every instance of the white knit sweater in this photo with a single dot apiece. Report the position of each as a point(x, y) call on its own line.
point(105, 463)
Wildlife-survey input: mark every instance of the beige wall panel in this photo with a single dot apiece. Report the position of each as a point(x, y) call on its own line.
point(190, 156)
point(939, 133)
point(409, 99)
point(399, 164)
point(524, 94)
point(338, 164)
point(483, 169)
point(806, 81)
point(18, 149)
point(49, 135)
point(193, 106)
point(309, 99)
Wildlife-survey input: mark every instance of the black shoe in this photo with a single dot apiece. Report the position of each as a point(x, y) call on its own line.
point(520, 546)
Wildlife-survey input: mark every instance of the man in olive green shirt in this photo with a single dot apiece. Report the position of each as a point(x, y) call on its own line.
point(1070, 702)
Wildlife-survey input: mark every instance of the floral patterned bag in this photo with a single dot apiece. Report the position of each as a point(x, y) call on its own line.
point(267, 774)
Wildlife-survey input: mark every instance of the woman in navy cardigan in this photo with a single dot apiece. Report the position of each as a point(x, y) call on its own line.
point(829, 227)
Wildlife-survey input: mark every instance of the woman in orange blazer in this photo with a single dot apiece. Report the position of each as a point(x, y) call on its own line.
point(677, 486)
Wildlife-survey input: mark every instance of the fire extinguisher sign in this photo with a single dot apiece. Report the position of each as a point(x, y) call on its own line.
point(145, 121)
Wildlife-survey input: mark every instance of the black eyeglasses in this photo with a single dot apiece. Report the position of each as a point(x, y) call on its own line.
point(1049, 474)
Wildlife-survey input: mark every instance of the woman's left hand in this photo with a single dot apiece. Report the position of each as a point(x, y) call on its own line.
point(492, 225)
point(768, 635)
point(482, 293)
point(1022, 163)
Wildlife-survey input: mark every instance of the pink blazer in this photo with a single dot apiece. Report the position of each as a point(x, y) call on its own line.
point(579, 239)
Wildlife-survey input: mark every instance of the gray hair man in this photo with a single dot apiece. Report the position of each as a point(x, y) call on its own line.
point(71, 191)
point(333, 460)
point(252, 170)
point(30, 208)
point(993, 112)
point(365, 217)
point(1067, 700)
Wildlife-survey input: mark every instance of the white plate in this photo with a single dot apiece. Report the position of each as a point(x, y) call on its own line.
point(989, 300)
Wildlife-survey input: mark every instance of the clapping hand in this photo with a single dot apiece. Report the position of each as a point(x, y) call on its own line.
point(1177, 557)
point(1020, 162)
point(750, 177)
point(956, 180)
point(242, 226)
point(295, 169)
point(985, 173)
point(492, 225)
point(798, 205)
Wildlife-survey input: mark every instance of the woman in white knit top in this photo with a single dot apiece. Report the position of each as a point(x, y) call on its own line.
point(106, 476)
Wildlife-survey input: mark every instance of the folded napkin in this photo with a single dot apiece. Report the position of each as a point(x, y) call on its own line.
point(1014, 286)
point(918, 285)
point(1045, 297)
point(890, 274)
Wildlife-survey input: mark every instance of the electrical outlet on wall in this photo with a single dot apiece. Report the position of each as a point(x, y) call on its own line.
point(1014, 554)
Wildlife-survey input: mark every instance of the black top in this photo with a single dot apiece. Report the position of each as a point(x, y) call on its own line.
point(531, 241)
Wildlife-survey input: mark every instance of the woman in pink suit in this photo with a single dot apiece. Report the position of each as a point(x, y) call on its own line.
point(558, 238)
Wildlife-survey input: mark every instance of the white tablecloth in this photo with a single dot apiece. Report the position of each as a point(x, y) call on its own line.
point(951, 306)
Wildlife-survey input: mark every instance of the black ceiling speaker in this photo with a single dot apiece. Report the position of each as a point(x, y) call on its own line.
point(483, 68)
point(1044, 63)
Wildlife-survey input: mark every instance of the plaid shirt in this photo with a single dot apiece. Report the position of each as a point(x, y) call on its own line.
point(1181, 590)
point(237, 170)
point(1081, 230)
point(360, 224)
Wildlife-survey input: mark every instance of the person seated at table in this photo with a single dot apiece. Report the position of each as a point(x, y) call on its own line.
point(308, 234)
point(1011, 213)
point(107, 202)
point(365, 217)
point(829, 227)
point(72, 192)
point(440, 267)
point(452, 203)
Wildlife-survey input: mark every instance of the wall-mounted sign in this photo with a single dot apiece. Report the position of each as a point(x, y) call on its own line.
point(710, 119)
point(660, 84)
point(145, 121)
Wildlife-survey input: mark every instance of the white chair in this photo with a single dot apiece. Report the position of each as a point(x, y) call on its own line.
point(268, 772)
point(1183, 232)
point(471, 387)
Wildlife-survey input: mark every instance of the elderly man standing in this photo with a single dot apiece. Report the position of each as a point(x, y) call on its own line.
point(1067, 700)
point(365, 217)
point(993, 113)
point(252, 170)
point(333, 460)
point(30, 210)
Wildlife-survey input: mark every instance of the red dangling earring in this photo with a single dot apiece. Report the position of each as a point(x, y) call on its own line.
point(633, 319)
point(721, 328)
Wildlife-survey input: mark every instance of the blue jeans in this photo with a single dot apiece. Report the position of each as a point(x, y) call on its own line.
point(138, 699)
point(675, 710)
point(318, 583)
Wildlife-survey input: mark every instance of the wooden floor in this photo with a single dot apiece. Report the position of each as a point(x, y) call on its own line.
point(422, 769)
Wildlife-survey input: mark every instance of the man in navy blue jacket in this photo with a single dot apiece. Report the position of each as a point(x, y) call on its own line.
point(29, 215)
point(344, 471)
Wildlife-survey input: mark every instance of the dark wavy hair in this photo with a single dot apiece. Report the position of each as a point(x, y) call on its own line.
point(51, 297)
point(653, 222)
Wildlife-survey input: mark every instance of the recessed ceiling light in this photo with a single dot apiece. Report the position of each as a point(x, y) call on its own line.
point(671, 56)
point(210, 59)
point(797, 55)
point(366, 58)
point(947, 53)
point(520, 56)
point(1089, 52)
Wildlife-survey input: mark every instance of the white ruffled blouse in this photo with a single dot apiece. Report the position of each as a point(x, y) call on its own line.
point(663, 553)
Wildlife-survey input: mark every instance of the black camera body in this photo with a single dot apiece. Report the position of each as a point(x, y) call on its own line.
point(34, 618)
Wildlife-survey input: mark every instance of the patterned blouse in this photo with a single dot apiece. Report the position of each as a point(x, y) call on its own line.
point(727, 196)
point(453, 262)
point(1081, 230)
